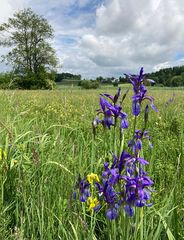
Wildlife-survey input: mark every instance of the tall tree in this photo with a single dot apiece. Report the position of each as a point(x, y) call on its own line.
point(31, 54)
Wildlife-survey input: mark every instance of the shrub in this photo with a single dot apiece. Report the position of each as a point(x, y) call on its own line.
point(89, 84)
point(177, 81)
point(49, 84)
point(115, 83)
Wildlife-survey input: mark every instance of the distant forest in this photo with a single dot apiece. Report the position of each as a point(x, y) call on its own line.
point(170, 77)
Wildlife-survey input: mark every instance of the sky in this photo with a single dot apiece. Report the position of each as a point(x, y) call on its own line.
point(110, 37)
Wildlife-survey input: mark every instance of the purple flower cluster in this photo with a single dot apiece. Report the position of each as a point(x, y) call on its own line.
point(140, 92)
point(111, 111)
point(84, 189)
point(123, 183)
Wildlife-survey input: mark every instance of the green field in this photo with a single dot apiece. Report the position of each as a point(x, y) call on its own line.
point(48, 140)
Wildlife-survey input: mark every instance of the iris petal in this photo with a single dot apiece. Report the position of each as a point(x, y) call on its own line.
point(136, 108)
point(112, 213)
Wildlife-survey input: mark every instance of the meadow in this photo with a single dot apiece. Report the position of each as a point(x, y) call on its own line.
point(46, 141)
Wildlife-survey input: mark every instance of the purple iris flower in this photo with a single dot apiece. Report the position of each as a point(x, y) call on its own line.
point(108, 119)
point(137, 190)
point(136, 81)
point(108, 116)
point(112, 213)
point(107, 191)
point(135, 184)
point(114, 177)
point(136, 143)
point(112, 111)
point(95, 122)
point(170, 100)
point(110, 175)
point(147, 136)
point(84, 189)
point(129, 210)
point(121, 162)
point(114, 98)
point(133, 160)
point(139, 92)
point(106, 172)
point(110, 196)
point(136, 107)
point(137, 100)
point(124, 122)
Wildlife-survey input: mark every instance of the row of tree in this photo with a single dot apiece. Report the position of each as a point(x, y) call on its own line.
point(170, 77)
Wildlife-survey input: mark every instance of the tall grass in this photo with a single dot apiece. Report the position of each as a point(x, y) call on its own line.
point(48, 140)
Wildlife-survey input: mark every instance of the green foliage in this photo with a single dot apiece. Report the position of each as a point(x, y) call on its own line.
point(89, 84)
point(67, 76)
point(122, 79)
point(5, 80)
point(31, 55)
point(115, 83)
point(171, 77)
point(177, 81)
point(49, 84)
point(100, 79)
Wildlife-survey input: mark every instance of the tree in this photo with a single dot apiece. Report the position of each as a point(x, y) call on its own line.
point(89, 84)
point(31, 55)
point(169, 77)
point(177, 81)
point(99, 79)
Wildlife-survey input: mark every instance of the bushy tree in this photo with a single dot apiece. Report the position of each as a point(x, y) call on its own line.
point(5, 80)
point(115, 83)
point(89, 84)
point(65, 76)
point(177, 81)
point(31, 54)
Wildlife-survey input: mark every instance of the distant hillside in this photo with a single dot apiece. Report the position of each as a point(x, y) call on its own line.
point(171, 77)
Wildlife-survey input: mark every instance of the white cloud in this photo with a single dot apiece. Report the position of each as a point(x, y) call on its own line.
point(159, 66)
point(134, 33)
point(118, 36)
point(7, 8)
point(67, 25)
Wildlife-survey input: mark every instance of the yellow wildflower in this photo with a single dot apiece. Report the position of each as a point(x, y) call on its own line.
point(92, 202)
point(92, 177)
